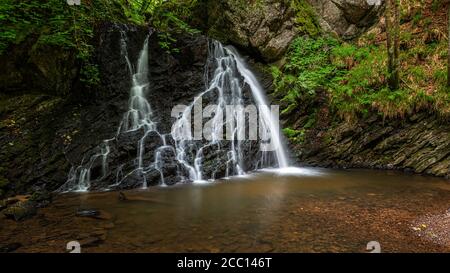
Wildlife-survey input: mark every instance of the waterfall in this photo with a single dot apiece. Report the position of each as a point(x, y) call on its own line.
point(179, 156)
point(268, 120)
point(136, 118)
point(226, 84)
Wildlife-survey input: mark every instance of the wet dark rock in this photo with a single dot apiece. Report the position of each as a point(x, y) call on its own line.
point(91, 241)
point(36, 66)
point(21, 207)
point(9, 247)
point(3, 205)
point(42, 198)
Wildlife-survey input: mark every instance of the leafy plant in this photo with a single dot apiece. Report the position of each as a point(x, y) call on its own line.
point(307, 68)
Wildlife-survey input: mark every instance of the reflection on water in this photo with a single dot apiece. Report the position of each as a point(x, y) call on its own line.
point(293, 210)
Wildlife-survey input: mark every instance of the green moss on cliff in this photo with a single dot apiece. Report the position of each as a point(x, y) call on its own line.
point(306, 18)
point(354, 78)
point(295, 136)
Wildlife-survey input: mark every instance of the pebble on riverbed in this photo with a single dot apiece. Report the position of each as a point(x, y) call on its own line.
point(434, 228)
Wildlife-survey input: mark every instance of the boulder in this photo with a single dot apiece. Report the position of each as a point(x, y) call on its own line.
point(265, 28)
point(348, 18)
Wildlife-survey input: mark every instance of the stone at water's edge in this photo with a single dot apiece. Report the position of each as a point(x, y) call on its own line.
point(20, 211)
point(21, 207)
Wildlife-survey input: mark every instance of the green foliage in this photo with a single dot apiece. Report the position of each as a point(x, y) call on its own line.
point(295, 136)
point(307, 68)
point(170, 18)
point(57, 24)
point(354, 78)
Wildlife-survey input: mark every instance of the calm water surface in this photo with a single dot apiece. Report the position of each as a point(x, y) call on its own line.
point(303, 210)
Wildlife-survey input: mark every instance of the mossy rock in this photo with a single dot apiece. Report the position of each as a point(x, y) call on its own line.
point(20, 210)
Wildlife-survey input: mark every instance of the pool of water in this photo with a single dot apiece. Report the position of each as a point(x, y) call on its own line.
point(290, 210)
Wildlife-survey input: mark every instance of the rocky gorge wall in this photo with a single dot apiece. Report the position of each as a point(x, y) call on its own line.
point(419, 143)
point(48, 120)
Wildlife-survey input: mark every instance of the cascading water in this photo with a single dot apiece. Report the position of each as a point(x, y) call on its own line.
point(227, 81)
point(136, 118)
point(180, 157)
point(269, 122)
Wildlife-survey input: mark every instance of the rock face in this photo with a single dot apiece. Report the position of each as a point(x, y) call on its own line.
point(43, 135)
point(348, 18)
point(266, 28)
point(419, 144)
point(39, 67)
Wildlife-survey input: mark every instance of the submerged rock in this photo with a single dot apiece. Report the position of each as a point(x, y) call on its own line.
point(21, 207)
point(9, 247)
point(95, 214)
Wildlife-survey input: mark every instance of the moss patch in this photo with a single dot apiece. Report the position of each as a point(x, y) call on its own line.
point(306, 18)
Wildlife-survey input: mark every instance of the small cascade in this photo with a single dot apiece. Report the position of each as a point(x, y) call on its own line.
point(138, 117)
point(217, 149)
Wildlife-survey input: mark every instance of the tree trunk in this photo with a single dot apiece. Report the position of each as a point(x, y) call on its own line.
point(448, 54)
point(392, 42)
point(396, 76)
